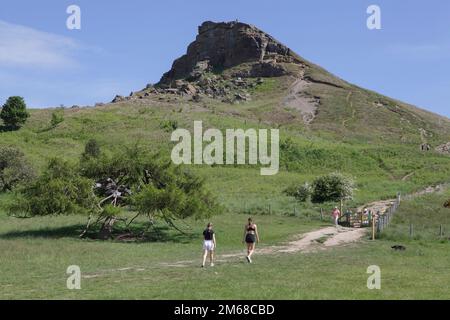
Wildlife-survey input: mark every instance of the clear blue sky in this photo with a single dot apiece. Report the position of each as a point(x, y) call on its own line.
point(123, 45)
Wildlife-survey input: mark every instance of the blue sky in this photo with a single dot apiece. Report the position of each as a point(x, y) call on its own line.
point(123, 45)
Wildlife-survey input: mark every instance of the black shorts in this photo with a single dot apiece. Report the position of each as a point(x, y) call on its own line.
point(250, 238)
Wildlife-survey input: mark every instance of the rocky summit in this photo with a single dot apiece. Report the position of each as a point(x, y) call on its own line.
point(225, 62)
point(227, 44)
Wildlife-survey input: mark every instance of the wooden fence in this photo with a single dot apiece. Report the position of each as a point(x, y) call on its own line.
point(381, 220)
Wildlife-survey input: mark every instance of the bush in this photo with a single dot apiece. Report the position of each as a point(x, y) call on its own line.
point(91, 149)
point(169, 125)
point(59, 190)
point(300, 193)
point(14, 113)
point(57, 117)
point(14, 169)
point(332, 187)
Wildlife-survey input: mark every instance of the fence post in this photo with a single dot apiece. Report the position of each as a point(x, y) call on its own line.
point(440, 231)
point(373, 228)
point(270, 210)
point(321, 214)
point(411, 230)
point(295, 211)
point(377, 215)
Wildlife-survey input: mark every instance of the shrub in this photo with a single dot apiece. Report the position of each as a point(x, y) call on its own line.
point(57, 117)
point(332, 187)
point(169, 125)
point(300, 193)
point(59, 190)
point(91, 149)
point(14, 169)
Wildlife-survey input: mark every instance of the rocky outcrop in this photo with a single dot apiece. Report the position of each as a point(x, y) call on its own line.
point(225, 62)
point(444, 148)
point(224, 45)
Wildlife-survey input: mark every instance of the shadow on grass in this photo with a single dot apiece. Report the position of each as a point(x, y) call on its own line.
point(4, 128)
point(52, 233)
point(156, 234)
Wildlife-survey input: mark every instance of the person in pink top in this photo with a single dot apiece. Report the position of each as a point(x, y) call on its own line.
point(336, 215)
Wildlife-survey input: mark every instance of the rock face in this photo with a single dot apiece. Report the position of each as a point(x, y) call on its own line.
point(223, 45)
point(444, 148)
point(207, 69)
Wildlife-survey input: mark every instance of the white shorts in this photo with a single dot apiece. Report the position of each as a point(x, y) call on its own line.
point(208, 245)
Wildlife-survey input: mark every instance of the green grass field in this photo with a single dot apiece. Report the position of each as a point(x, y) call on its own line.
point(36, 253)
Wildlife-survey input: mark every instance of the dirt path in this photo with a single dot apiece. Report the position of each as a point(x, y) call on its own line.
point(348, 99)
point(298, 100)
point(313, 241)
point(316, 240)
point(383, 205)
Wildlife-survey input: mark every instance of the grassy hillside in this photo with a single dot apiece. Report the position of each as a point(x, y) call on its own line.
point(424, 219)
point(382, 165)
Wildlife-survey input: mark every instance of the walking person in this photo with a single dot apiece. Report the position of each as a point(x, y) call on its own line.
point(251, 237)
point(209, 244)
point(336, 215)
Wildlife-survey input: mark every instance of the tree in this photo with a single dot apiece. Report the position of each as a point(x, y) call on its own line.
point(14, 169)
point(332, 187)
point(104, 187)
point(14, 113)
point(59, 190)
point(150, 186)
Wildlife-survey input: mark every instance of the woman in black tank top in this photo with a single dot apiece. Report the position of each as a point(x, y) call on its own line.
point(209, 244)
point(250, 238)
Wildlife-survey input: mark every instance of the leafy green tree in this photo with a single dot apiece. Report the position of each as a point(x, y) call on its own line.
point(14, 113)
point(104, 187)
point(332, 187)
point(14, 169)
point(59, 190)
point(159, 189)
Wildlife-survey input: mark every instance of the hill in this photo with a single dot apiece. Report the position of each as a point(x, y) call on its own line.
point(229, 61)
point(236, 76)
